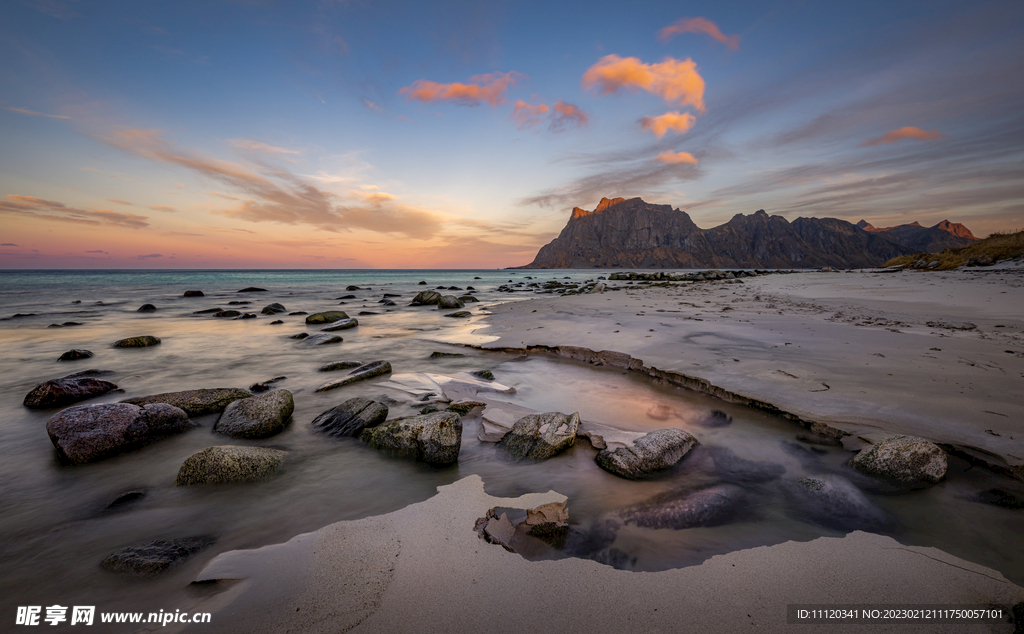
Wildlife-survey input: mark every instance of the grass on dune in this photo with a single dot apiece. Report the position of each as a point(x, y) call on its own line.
point(998, 246)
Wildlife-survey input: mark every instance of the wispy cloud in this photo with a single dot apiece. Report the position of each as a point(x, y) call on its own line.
point(675, 121)
point(31, 206)
point(674, 158)
point(149, 256)
point(8, 244)
point(561, 116)
point(489, 89)
point(908, 132)
point(698, 25)
point(566, 116)
point(526, 115)
point(260, 147)
point(163, 208)
point(675, 81)
point(118, 201)
point(33, 113)
point(98, 251)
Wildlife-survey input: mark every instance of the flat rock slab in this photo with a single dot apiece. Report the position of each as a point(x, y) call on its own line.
point(256, 417)
point(60, 392)
point(606, 437)
point(229, 464)
point(499, 418)
point(907, 460)
point(195, 402)
point(541, 436)
point(341, 324)
point(652, 452)
point(75, 355)
point(320, 340)
point(87, 433)
point(326, 317)
point(351, 417)
point(155, 557)
point(433, 438)
point(143, 341)
point(363, 372)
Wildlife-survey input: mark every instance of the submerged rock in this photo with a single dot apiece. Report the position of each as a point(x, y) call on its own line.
point(207, 310)
point(193, 294)
point(229, 463)
point(146, 308)
point(320, 340)
point(326, 317)
point(449, 301)
point(341, 324)
point(339, 365)
point(460, 314)
point(732, 468)
point(301, 335)
point(227, 313)
point(433, 438)
point(366, 371)
point(465, 299)
point(834, 502)
point(60, 392)
point(136, 342)
point(907, 460)
point(86, 433)
point(257, 417)
point(541, 436)
point(445, 355)
point(273, 309)
point(486, 375)
point(657, 450)
point(715, 418)
point(998, 497)
point(155, 557)
point(712, 506)
point(263, 386)
point(75, 355)
point(195, 402)
point(253, 289)
point(351, 417)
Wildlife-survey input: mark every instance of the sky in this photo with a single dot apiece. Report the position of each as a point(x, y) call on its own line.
point(460, 134)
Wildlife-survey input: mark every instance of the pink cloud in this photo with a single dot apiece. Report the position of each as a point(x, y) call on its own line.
point(674, 158)
point(527, 115)
point(675, 81)
point(699, 25)
point(678, 122)
point(567, 116)
point(908, 132)
point(489, 89)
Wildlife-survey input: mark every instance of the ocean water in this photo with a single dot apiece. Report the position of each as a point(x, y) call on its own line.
point(55, 527)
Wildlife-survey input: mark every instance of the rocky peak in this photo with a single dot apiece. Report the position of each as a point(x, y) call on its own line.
point(865, 225)
point(608, 202)
point(956, 229)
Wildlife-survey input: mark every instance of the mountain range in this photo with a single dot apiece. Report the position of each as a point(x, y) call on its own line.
point(632, 233)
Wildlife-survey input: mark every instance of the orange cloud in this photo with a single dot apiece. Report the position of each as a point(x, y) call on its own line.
point(527, 115)
point(567, 116)
point(489, 88)
point(675, 121)
point(675, 81)
point(32, 206)
point(676, 157)
point(33, 113)
point(699, 25)
point(908, 132)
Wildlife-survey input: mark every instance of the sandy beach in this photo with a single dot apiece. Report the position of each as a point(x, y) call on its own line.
point(847, 355)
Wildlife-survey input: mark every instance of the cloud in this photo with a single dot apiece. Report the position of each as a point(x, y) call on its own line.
point(98, 251)
point(8, 244)
point(32, 206)
point(908, 132)
point(33, 113)
point(675, 121)
point(149, 256)
point(163, 208)
point(372, 105)
point(567, 116)
point(489, 88)
point(259, 147)
point(118, 201)
point(676, 157)
point(527, 115)
point(675, 81)
point(698, 25)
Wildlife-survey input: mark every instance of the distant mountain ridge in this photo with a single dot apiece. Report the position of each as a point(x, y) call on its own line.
point(632, 233)
point(945, 235)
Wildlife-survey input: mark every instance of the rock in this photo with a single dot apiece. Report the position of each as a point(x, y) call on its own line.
point(253, 289)
point(712, 506)
point(227, 313)
point(239, 303)
point(432, 438)
point(339, 365)
point(320, 340)
point(207, 310)
point(998, 497)
point(352, 287)
point(468, 299)
point(732, 468)
point(717, 418)
point(60, 392)
point(193, 294)
point(907, 460)
point(263, 386)
point(387, 295)
point(126, 498)
point(229, 463)
point(430, 409)
point(657, 450)
point(75, 355)
point(155, 557)
point(276, 322)
point(952, 325)
point(598, 288)
point(834, 502)
point(422, 282)
point(500, 531)
point(300, 336)
point(298, 312)
point(363, 313)
point(86, 433)
point(247, 316)
point(273, 309)
point(486, 375)
point(351, 417)
point(366, 371)
point(341, 324)
point(549, 522)
point(326, 317)
point(426, 298)
point(89, 372)
point(445, 355)
point(256, 417)
point(146, 308)
point(541, 436)
point(136, 342)
point(346, 297)
point(449, 301)
point(460, 314)
point(465, 406)
point(195, 402)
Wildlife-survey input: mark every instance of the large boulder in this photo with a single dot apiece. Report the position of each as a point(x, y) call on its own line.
point(257, 417)
point(326, 317)
point(60, 392)
point(541, 436)
point(366, 371)
point(75, 355)
point(657, 450)
point(320, 340)
point(136, 342)
point(351, 417)
point(341, 324)
point(907, 460)
point(86, 433)
point(449, 301)
point(834, 502)
point(195, 402)
point(229, 463)
point(433, 438)
point(155, 557)
point(426, 298)
point(273, 309)
point(712, 506)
